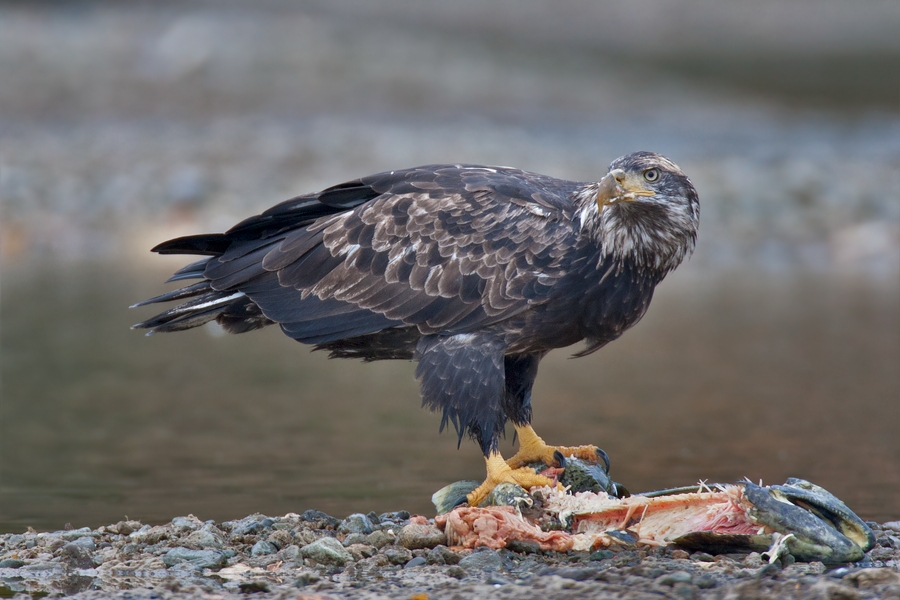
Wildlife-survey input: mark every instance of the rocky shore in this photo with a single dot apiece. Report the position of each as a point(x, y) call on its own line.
point(395, 555)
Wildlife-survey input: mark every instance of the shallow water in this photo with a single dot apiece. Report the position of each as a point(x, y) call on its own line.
point(729, 375)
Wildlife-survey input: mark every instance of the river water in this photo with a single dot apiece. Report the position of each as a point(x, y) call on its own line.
point(729, 376)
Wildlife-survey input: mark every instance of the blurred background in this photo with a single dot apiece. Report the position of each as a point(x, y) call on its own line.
point(773, 352)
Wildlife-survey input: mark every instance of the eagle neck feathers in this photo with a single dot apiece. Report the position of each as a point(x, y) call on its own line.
point(654, 236)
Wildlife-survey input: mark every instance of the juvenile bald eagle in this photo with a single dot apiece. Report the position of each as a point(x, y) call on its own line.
point(474, 272)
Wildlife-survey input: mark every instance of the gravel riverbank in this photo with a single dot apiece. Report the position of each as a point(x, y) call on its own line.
point(314, 555)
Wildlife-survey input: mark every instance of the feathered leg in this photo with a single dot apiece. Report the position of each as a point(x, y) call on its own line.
point(464, 376)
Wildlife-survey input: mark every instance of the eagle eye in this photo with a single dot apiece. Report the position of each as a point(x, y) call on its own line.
point(651, 175)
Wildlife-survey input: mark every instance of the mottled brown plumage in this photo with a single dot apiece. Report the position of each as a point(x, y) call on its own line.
point(475, 272)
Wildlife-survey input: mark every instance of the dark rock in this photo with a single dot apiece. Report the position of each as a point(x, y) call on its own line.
point(394, 517)
point(868, 578)
point(576, 573)
point(262, 548)
point(524, 546)
point(200, 559)
point(320, 518)
point(251, 525)
point(703, 557)
point(356, 523)
point(417, 561)
point(398, 555)
point(456, 571)
point(601, 555)
point(307, 578)
point(253, 587)
point(705, 582)
point(414, 536)
point(11, 563)
point(442, 555)
point(77, 557)
point(374, 518)
point(494, 579)
point(327, 551)
point(292, 552)
point(484, 560)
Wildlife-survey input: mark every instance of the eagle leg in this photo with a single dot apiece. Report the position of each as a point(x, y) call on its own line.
point(498, 471)
point(533, 449)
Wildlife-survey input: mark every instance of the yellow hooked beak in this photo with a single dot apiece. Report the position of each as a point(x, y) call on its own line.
point(619, 186)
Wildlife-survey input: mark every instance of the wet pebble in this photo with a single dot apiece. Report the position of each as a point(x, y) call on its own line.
point(415, 536)
point(355, 538)
point(442, 555)
point(457, 572)
point(291, 553)
point(484, 560)
point(416, 561)
point(250, 525)
point(397, 555)
point(77, 556)
point(204, 539)
point(577, 574)
point(86, 542)
point(327, 551)
point(674, 577)
point(356, 523)
point(201, 559)
point(11, 563)
point(189, 522)
point(380, 539)
point(76, 533)
point(320, 519)
point(262, 548)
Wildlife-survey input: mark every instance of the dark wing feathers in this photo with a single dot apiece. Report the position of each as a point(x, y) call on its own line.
point(442, 248)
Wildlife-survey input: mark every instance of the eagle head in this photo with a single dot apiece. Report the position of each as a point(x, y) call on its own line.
point(645, 210)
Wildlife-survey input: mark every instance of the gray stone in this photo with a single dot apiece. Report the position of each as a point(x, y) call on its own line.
point(327, 551)
point(380, 539)
point(417, 561)
point(86, 542)
point(398, 555)
point(356, 523)
point(456, 571)
point(202, 559)
point(250, 525)
point(262, 548)
point(355, 538)
point(203, 538)
point(186, 522)
point(76, 533)
point(11, 563)
point(76, 557)
point(674, 577)
point(292, 552)
point(415, 536)
point(14, 540)
point(576, 574)
point(484, 560)
point(442, 555)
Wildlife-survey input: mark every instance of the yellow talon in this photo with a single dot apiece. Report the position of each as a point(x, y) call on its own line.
point(533, 449)
point(498, 471)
